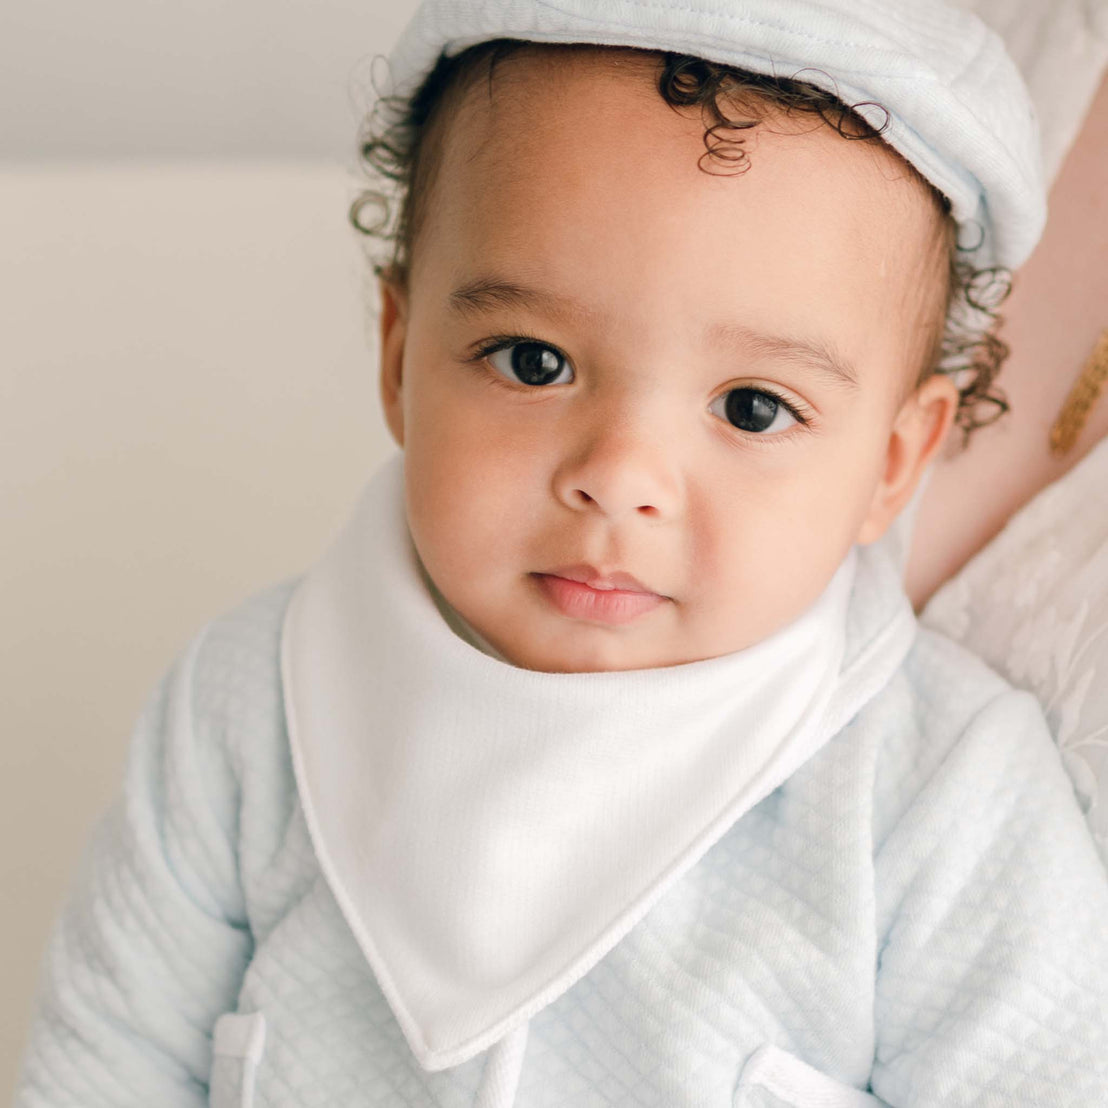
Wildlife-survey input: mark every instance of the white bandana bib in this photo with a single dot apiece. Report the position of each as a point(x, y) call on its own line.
point(491, 832)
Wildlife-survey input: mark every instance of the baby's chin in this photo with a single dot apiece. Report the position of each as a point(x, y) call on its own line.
point(558, 644)
point(581, 656)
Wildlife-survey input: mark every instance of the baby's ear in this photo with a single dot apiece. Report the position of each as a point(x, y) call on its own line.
point(917, 433)
point(394, 316)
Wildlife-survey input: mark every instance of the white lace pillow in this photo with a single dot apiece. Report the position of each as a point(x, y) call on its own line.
point(1034, 605)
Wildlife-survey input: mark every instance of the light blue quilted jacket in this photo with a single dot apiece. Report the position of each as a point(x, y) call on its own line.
point(916, 917)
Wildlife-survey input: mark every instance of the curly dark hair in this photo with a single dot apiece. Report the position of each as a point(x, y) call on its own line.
point(400, 157)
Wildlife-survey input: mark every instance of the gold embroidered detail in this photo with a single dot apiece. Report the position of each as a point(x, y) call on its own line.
point(1084, 394)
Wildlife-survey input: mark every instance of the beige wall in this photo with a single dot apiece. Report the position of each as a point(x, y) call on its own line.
point(188, 406)
point(206, 78)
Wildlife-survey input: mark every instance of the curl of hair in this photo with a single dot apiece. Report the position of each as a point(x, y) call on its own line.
point(971, 353)
point(397, 159)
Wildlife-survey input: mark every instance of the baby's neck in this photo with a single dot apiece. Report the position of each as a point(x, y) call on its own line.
point(455, 621)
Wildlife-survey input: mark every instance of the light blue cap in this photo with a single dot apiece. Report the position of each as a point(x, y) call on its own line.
point(958, 107)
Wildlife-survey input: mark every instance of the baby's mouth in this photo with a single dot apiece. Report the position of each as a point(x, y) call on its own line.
point(608, 601)
point(585, 574)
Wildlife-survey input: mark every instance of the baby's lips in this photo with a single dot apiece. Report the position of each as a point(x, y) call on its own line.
point(589, 575)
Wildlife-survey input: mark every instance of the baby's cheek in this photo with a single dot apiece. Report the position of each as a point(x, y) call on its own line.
point(465, 514)
point(789, 534)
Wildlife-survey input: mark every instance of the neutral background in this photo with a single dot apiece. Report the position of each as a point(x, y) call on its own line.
point(188, 400)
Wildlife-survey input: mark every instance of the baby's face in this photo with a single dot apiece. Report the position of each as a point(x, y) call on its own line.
point(606, 356)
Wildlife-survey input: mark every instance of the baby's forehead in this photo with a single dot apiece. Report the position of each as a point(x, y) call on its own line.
point(574, 171)
point(546, 119)
point(538, 96)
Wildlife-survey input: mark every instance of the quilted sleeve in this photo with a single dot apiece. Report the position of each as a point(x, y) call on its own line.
point(992, 971)
point(152, 942)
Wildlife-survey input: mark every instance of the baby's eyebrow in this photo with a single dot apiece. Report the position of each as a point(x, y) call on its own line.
point(485, 293)
point(813, 353)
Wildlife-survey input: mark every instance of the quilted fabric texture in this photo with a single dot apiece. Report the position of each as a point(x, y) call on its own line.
point(918, 911)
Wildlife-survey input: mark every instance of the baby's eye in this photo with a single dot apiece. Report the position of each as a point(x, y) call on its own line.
point(757, 411)
point(532, 363)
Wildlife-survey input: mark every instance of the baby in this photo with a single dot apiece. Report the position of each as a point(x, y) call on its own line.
point(603, 361)
point(601, 760)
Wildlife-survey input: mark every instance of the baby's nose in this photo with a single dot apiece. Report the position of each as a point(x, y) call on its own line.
point(619, 467)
